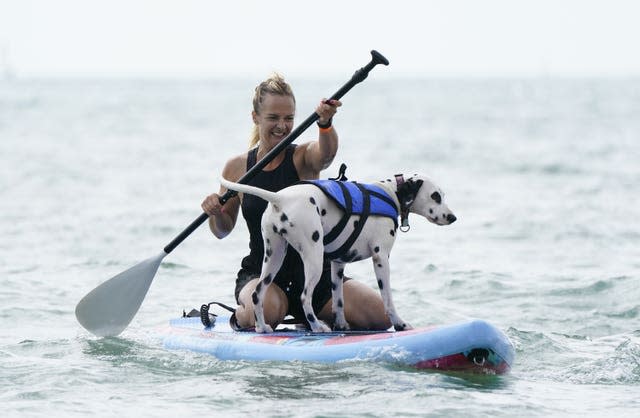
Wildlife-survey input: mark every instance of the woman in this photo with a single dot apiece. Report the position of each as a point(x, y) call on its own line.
point(273, 114)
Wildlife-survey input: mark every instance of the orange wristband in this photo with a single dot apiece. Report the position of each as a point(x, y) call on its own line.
point(324, 130)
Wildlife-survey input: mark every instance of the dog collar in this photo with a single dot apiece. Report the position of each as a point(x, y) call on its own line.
point(405, 202)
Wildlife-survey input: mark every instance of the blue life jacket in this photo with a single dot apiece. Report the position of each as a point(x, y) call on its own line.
point(354, 199)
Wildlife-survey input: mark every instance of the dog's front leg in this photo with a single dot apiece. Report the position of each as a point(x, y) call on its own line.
point(381, 268)
point(337, 305)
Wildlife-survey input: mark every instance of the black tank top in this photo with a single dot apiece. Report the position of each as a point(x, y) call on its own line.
point(290, 278)
point(253, 207)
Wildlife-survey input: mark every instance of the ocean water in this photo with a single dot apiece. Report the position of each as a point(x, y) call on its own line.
point(543, 175)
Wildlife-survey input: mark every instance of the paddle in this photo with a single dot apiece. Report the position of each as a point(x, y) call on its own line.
point(110, 307)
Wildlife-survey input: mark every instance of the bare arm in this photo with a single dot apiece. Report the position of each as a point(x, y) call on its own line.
point(222, 218)
point(318, 155)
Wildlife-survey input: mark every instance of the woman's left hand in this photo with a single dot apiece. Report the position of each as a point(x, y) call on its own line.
point(326, 109)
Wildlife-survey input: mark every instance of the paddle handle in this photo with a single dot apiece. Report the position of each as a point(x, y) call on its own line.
point(359, 76)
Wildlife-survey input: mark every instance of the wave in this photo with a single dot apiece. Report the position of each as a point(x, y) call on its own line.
point(610, 360)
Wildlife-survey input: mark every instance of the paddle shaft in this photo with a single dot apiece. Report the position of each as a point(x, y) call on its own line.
point(359, 76)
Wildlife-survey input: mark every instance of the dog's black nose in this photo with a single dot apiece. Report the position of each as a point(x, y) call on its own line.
point(451, 218)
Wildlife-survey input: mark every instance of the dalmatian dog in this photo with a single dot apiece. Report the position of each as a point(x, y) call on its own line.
point(348, 222)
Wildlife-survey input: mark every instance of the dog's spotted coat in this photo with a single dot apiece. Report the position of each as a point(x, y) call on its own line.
point(302, 222)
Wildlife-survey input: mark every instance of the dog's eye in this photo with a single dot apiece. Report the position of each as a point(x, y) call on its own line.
point(436, 196)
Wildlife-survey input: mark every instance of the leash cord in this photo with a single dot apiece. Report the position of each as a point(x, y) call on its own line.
point(206, 317)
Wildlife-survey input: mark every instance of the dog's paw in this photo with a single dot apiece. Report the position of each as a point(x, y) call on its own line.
point(341, 327)
point(264, 330)
point(403, 326)
point(319, 326)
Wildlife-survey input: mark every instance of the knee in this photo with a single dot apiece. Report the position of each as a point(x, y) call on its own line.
point(364, 307)
point(274, 306)
point(245, 315)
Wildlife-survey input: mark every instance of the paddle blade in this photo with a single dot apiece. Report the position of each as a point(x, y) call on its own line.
point(110, 307)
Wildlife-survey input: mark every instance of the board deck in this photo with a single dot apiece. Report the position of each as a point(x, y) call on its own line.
point(475, 346)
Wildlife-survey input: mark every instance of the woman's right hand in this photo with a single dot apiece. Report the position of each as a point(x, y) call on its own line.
point(220, 225)
point(222, 218)
point(211, 205)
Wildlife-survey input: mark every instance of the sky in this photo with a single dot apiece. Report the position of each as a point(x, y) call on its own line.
point(198, 38)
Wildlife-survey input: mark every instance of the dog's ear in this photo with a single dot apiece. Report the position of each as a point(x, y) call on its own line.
point(409, 190)
point(414, 186)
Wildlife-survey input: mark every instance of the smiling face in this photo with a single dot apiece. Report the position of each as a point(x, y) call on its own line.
point(274, 118)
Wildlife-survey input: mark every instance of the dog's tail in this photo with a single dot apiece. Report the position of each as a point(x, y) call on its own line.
point(256, 191)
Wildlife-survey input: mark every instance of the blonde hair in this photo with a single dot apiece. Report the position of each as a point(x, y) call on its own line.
point(272, 85)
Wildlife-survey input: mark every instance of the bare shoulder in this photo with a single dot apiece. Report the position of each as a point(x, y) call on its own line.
point(235, 167)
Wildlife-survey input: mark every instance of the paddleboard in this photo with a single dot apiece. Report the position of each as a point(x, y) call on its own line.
point(473, 346)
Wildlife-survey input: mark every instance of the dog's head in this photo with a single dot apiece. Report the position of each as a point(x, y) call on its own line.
point(424, 197)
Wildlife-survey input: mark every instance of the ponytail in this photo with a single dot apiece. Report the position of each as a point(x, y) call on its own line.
point(255, 136)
